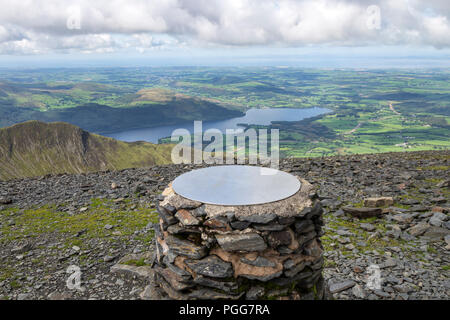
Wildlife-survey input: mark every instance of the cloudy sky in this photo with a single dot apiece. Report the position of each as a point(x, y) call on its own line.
point(217, 30)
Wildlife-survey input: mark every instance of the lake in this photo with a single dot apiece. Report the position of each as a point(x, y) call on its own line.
point(252, 116)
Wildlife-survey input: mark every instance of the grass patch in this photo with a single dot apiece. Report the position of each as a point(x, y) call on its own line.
point(48, 219)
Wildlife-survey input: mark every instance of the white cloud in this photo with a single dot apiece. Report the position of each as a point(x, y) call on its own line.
point(41, 26)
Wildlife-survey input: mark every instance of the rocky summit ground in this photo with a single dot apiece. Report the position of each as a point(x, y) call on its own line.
point(101, 223)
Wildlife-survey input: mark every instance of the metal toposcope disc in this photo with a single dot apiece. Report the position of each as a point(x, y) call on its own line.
point(236, 185)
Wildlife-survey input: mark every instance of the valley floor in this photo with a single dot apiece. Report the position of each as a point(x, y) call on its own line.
point(94, 220)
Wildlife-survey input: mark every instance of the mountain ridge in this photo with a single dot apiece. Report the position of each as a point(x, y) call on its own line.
point(34, 148)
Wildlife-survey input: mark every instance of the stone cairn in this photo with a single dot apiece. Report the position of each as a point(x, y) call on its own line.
point(266, 251)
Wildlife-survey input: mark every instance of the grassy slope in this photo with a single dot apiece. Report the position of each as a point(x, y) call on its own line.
point(35, 148)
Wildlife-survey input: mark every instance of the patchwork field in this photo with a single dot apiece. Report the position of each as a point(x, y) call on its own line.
point(373, 110)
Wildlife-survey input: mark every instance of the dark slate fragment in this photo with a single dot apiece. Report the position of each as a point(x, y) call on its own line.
point(209, 294)
point(304, 238)
point(241, 242)
point(177, 229)
point(220, 223)
point(279, 238)
point(295, 269)
point(211, 266)
point(259, 262)
point(185, 248)
point(286, 220)
point(240, 225)
point(176, 282)
point(167, 217)
point(258, 218)
point(199, 212)
point(263, 278)
point(255, 293)
point(363, 213)
point(316, 211)
point(273, 226)
point(226, 286)
point(182, 274)
point(304, 226)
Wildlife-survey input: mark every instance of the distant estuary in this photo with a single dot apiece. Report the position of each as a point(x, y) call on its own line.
point(252, 116)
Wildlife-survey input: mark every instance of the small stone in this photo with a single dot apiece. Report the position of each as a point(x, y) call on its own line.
point(21, 248)
point(5, 200)
point(255, 293)
point(344, 240)
point(108, 258)
point(108, 227)
point(434, 221)
point(378, 202)
point(436, 233)
point(367, 226)
point(120, 282)
point(418, 229)
point(350, 246)
point(341, 286)
point(363, 213)
point(403, 218)
point(142, 271)
point(23, 296)
point(403, 288)
point(150, 293)
point(358, 292)
point(389, 263)
point(447, 239)
point(382, 294)
point(358, 269)
point(56, 295)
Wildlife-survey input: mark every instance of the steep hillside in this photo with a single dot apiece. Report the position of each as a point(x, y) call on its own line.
point(36, 148)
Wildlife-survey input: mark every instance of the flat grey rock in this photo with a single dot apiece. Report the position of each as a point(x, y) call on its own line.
point(341, 286)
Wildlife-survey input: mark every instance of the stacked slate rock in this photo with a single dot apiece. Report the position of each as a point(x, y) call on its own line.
point(262, 251)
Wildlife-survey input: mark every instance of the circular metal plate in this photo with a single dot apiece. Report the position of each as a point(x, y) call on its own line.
point(236, 185)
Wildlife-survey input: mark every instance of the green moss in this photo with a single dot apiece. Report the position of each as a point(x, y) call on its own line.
point(446, 268)
point(434, 168)
point(137, 263)
point(48, 219)
point(430, 249)
point(401, 206)
point(15, 284)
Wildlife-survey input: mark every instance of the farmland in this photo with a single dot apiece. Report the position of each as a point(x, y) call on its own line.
point(373, 110)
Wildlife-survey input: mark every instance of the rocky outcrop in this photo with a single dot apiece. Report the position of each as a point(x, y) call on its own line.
point(36, 148)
